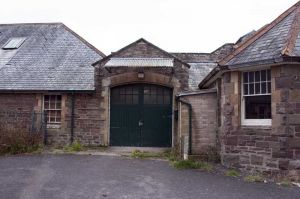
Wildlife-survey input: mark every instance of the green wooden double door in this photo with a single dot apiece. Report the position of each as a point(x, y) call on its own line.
point(141, 115)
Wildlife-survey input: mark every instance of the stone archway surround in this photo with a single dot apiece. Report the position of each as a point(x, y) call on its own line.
point(132, 78)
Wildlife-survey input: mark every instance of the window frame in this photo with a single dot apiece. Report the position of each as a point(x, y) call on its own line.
point(253, 122)
point(53, 124)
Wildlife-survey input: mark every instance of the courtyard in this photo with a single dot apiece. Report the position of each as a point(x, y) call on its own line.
point(97, 176)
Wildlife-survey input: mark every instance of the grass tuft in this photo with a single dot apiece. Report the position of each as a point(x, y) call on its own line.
point(286, 182)
point(191, 164)
point(75, 147)
point(254, 178)
point(232, 173)
point(142, 155)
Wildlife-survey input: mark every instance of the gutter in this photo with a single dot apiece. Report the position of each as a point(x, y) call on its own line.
point(199, 92)
point(72, 117)
point(190, 123)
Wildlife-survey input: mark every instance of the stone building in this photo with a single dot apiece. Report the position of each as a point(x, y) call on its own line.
point(245, 109)
point(259, 95)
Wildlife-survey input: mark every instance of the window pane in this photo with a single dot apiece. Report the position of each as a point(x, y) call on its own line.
point(167, 99)
point(251, 89)
point(135, 99)
point(122, 99)
point(147, 99)
point(246, 89)
point(128, 91)
point(258, 107)
point(52, 98)
point(257, 76)
point(146, 90)
point(160, 99)
point(257, 88)
point(263, 88)
point(245, 77)
point(251, 77)
point(269, 87)
point(263, 75)
point(122, 91)
point(58, 105)
point(46, 105)
point(128, 99)
point(135, 90)
point(52, 104)
point(268, 75)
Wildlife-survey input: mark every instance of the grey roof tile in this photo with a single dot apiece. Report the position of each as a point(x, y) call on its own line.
point(268, 46)
point(198, 71)
point(51, 58)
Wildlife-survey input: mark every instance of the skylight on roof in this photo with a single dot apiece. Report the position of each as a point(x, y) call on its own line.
point(14, 43)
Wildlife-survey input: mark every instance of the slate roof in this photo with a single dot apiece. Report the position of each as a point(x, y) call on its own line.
point(201, 64)
point(277, 42)
point(140, 62)
point(271, 44)
point(194, 57)
point(52, 57)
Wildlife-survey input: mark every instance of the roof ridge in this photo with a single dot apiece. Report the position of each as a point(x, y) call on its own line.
point(46, 23)
point(259, 34)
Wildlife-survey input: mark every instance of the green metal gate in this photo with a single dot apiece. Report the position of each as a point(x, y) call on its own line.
point(141, 115)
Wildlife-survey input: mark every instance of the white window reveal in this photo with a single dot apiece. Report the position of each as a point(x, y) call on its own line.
point(14, 43)
point(52, 107)
point(256, 98)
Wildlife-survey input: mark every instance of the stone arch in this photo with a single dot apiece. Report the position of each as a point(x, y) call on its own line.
point(132, 78)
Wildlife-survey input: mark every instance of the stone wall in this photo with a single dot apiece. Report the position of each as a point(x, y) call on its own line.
point(16, 113)
point(266, 148)
point(204, 121)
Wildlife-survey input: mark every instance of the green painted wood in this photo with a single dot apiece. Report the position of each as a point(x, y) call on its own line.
point(141, 115)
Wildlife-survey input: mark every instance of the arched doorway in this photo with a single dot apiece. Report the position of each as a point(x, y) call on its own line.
point(141, 115)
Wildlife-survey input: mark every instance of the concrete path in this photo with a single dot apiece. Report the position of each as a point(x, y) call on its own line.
point(96, 177)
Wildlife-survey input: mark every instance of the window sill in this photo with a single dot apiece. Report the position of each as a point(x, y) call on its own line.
point(262, 127)
point(53, 126)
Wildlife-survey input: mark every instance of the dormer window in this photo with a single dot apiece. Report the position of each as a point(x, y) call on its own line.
point(13, 43)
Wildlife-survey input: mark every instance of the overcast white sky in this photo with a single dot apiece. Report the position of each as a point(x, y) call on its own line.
point(174, 25)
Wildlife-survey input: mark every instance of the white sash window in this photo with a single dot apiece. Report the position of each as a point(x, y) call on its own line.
point(256, 98)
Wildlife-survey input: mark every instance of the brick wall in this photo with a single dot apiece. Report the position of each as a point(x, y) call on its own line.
point(271, 148)
point(204, 121)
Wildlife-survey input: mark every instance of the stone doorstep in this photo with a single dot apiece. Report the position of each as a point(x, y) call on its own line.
point(113, 151)
point(129, 150)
